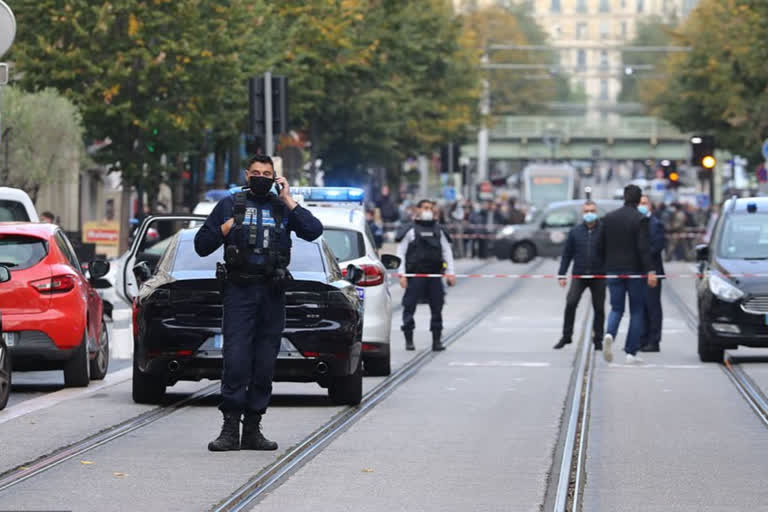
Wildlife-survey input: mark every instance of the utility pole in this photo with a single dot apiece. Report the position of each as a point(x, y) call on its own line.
point(482, 135)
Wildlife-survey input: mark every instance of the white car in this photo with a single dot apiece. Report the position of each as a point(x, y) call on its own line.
point(16, 206)
point(347, 234)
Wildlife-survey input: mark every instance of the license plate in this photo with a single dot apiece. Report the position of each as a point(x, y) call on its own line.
point(360, 292)
point(218, 341)
point(10, 338)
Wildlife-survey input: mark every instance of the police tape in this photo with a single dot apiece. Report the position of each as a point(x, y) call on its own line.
point(579, 276)
point(469, 236)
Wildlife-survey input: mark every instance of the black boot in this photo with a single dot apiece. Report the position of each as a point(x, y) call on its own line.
point(437, 345)
point(563, 342)
point(409, 340)
point(253, 439)
point(229, 439)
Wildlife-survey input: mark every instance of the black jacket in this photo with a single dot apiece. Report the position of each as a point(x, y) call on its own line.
point(623, 243)
point(581, 248)
point(658, 241)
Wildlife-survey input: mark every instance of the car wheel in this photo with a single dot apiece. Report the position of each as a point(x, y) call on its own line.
point(100, 363)
point(347, 390)
point(523, 252)
point(77, 369)
point(378, 366)
point(147, 388)
point(709, 353)
point(5, 375)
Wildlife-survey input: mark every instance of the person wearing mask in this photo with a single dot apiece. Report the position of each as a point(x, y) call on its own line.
point(624, 248)
point(653, 312)
point(581, 248)
point(425, 249)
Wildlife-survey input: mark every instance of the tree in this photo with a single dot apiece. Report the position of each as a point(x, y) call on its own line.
point(720, 85)
point(42, 139)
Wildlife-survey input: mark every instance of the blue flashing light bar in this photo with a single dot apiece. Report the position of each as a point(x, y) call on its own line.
point(330, 194)
point(216, 194)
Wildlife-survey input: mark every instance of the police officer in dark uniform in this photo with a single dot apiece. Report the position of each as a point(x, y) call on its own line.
point(255, 227)
point(425, 249)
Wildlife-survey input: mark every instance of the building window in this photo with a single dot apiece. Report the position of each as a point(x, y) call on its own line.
point(640, 5)
point(581, 30)
point(605, 5)
point(623, 29)
point(603, 59)
point(581, 59)
point(603, 89)
point(555, 6)
point(605, 30)
point(581, 6)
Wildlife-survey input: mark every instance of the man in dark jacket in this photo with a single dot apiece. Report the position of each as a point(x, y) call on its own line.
point(581, 248)
point(624, 247)
point(653, 312)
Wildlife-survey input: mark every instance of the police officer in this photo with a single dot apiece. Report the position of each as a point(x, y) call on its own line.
point(581, 248)
point(254, 226)
point(653, 312)
point(425, 249)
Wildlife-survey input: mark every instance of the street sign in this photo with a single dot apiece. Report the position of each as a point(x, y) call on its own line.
point(765, 149)
point(7, 27)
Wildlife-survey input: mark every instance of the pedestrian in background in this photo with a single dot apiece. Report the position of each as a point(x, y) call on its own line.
point(425, 249)
point(624, 247)
point(653, 312)
point(48, 217)
point(376, 230)
point(581, 248)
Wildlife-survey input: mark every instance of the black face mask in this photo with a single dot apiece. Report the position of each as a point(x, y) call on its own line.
point(260, 185)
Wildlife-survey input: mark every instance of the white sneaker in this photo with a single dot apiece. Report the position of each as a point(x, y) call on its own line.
point(607, 348)
point(633, 360)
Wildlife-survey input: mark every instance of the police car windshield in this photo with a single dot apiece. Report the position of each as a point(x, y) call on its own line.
point(346, 244)
point(744, 236)
point(305, 257)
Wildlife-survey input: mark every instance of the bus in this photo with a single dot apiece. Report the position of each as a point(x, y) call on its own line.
point(543, 184)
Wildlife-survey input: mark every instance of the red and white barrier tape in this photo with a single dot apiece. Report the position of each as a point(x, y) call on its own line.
point(577, 276)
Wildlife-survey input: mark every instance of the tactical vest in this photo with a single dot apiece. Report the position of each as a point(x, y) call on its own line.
point(425, 253)
point(273, 256)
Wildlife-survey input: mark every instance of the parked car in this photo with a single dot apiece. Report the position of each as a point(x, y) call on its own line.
point(732, 299)
point(346, 232)
point(52, 314)
point(16, 206)
point(177, 316)
point(5, 357)
point(546, 233)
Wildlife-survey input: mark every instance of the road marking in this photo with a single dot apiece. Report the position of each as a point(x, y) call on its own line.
point(491, 364)
point(662, 366)
point(51, 399)
point(521, 328)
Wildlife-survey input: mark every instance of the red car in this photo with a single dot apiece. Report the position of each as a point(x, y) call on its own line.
point(52, 315)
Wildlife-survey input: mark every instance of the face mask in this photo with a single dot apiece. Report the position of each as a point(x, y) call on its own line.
point(260, 185)
point(590, 217)
point(643, 209)
point(426, 215)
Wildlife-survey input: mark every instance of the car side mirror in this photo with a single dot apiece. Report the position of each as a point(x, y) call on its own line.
point(5, 274)
point(702, 252)
point(390, 261)
point(98, 269)
point(142, 271)
point(100, 284)
point(354, 274)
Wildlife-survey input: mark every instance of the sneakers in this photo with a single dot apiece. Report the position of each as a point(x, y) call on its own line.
point(563, 342)
point(632, 360)
point(608, 348)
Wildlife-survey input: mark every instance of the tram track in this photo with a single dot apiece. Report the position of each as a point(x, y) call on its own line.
point(294, 459)
point(28, 470)
point(731, 365)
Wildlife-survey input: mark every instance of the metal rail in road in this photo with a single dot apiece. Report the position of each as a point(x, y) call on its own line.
point(293, 460)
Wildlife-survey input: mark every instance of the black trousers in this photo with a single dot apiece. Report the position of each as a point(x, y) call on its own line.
point(429, 289)
point(597, 290)
point(254, 318)
point(653, 316)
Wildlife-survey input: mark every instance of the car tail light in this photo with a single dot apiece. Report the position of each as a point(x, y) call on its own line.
point(372, 275)
point(55, 284)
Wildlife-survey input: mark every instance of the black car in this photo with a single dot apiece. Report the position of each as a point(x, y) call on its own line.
point(733, 289)
point(178, 311)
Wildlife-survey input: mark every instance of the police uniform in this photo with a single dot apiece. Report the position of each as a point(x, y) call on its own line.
point(257, 253)
point(424, 249)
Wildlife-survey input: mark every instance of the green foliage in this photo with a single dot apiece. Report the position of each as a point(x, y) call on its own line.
point(43, 137)
point(652, 31)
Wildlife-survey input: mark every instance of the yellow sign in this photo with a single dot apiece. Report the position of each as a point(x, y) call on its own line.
point(101, 233)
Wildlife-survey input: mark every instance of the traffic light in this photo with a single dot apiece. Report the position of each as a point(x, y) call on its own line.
point(703, 151)
point(256, 111)
point(449, 158)
point(152, 144)
point(669, 167)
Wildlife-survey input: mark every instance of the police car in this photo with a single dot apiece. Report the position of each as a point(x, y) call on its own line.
point(347, 233)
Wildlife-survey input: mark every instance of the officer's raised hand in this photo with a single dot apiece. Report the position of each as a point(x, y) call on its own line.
point(285, 192)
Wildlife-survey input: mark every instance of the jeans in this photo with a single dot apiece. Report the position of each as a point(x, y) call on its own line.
point(653, 316)
point(636, 289)
point(597, 290)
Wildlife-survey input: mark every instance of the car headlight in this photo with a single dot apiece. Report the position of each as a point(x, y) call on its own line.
point(506, 231)
point(724, 290)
